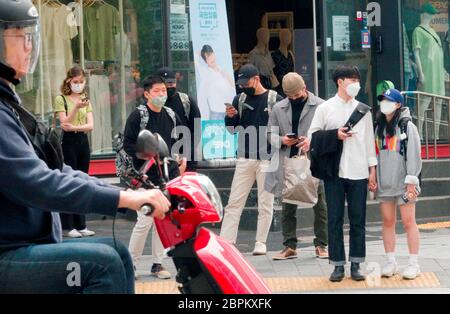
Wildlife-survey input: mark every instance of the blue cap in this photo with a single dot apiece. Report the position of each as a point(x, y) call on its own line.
point(392, 95)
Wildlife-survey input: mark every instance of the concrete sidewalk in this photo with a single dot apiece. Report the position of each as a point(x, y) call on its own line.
point(310, 275)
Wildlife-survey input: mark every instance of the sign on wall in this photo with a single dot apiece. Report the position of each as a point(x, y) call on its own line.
point(179, 32)
point(341, 33)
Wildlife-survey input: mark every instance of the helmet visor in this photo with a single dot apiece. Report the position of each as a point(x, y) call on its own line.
point(20, 48)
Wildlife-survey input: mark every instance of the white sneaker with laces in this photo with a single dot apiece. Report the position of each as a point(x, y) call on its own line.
point(86, 233)
point(389, 269)
point(74, 234)
point(260, 249)
point(411, 272)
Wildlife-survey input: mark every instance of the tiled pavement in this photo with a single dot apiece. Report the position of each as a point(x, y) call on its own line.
point(308, 274)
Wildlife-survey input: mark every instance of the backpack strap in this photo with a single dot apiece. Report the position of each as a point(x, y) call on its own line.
point(272, 100)
point(186, 104)
point(403, 125)
point(145, 117)
point(242, 99)
point(173, 116)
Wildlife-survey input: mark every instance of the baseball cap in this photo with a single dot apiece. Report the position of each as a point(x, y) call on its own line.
point(392, 95)
point(430, 9)
point(246, 73)
point(167, 75)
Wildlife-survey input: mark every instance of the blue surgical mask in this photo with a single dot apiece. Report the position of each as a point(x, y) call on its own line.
point(159, 101)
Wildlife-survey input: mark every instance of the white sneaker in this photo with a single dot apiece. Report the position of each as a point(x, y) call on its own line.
point(390, 269)
point(86, 233)
point(411, 272)
point(260, 249)
point(74, 234)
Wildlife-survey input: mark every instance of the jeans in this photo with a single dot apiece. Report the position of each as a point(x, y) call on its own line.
point(289, 224)
point(82, 266)
point(337, 190)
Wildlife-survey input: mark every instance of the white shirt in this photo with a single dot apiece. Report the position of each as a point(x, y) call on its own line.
point(359, 151)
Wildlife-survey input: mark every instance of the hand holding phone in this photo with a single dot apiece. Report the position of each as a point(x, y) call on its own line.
point(292, 136)
point(230, 110)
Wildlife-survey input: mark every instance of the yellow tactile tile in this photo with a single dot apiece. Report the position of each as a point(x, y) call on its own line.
point(435, 225)
point(310, 284)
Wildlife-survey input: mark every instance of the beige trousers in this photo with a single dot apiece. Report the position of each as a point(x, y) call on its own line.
point(247, 171)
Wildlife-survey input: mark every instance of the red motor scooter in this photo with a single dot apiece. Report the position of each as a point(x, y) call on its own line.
point(206, 264)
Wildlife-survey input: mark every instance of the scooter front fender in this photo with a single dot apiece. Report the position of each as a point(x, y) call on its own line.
point(227, 266)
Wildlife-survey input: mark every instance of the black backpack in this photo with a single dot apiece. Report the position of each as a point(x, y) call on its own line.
point(46, 141)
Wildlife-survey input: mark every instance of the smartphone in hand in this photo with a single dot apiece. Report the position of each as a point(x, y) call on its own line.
point(84, 98)
point(292, 136)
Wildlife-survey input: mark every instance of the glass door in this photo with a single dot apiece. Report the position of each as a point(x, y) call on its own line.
point(345, 41)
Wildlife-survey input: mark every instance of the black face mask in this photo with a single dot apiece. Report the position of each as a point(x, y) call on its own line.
point(249, 91)
point(298, 101)
point(171, 91)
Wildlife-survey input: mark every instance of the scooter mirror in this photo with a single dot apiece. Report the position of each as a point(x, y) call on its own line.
point(163, 149)
point(147, 145)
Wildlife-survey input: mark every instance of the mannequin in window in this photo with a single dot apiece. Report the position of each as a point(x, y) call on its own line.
point(260, 57)
point(429, 58)
point(283, 58)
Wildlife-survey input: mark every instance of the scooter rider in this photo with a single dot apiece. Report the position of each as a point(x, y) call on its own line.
point(33, 258)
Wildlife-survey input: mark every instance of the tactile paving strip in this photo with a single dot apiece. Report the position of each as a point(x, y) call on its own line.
point(435, 225)
point(310, 284)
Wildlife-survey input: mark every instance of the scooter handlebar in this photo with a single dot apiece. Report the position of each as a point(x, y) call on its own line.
point(147, 209)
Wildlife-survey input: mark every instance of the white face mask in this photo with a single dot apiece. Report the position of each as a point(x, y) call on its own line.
point(388, 107)
point(77, 88)
point(353, 89)
point(159, 101)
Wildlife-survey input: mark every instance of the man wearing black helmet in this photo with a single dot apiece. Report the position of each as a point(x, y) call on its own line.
point(33, 258)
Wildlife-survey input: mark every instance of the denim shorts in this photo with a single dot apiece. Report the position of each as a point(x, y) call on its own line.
point(395, 199)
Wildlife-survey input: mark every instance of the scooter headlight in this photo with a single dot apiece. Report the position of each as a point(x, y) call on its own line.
point(210, 189)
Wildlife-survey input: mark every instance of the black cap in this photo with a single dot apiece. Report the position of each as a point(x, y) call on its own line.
point(167, 75)
point(246, 73)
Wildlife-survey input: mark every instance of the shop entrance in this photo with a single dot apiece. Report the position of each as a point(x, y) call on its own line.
point(291, 30)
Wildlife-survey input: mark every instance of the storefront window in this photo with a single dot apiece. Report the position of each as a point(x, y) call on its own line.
point(117, 42)
point(426, 65)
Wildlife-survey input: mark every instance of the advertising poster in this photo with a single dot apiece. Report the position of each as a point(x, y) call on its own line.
point(214, 73)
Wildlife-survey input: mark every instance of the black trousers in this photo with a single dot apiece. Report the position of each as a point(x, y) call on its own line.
point(77, 155)
point(338, 190)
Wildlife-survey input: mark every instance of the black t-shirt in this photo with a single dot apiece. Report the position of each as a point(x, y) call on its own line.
point(258, 118)
point(296, 114)
point(176, 105)
point(159, 122)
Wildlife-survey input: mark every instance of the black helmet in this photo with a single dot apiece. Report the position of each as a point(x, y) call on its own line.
point(18, 18)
